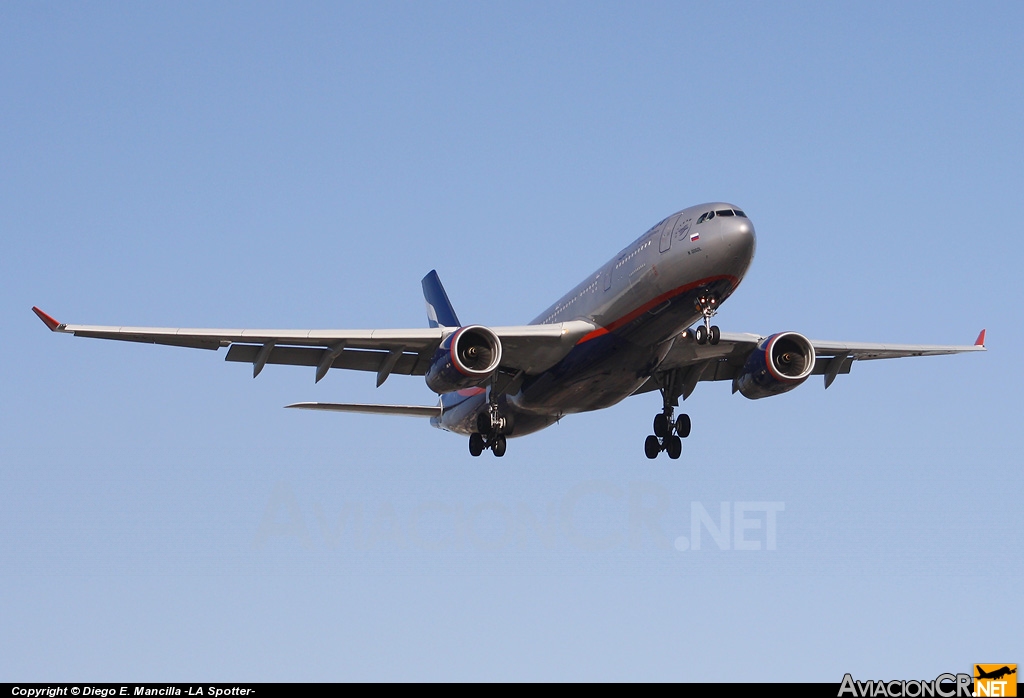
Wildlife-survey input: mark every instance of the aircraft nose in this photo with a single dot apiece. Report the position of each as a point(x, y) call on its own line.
point(740, 241)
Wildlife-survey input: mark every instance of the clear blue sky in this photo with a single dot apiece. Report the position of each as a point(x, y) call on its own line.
point(256, 165)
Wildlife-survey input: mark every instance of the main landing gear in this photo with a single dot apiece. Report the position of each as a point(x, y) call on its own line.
point(489, 426)
point(707, 333)
point(668, 433)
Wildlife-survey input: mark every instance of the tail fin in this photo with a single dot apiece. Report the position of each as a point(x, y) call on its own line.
point(439, 309)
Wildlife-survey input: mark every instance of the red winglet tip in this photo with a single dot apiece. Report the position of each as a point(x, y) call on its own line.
point(49, 321)
point(980, 341)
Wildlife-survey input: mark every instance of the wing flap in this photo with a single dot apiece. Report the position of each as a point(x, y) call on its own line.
point(169, 339)
point(357, 339)
point(407, 364)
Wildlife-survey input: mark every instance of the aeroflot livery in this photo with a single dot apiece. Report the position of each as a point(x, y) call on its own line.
point(624, 330)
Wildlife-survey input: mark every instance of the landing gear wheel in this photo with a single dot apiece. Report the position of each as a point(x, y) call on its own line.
point(674, 446)
point(499, 445)
point(662, 426)
point(483, 423)
point(476, 444)
point(683, 426)
point(652, 447)
point(707, 305)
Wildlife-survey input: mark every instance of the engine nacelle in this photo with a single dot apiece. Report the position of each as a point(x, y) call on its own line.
point(778, 364)
point(466, 358)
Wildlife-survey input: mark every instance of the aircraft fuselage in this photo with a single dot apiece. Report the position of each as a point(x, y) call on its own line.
point(640, 301)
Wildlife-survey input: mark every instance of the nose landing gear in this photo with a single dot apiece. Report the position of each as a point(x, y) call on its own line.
point(707, 305)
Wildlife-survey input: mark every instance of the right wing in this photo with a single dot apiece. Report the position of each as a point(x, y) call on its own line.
point(529, 348)
point(691, 363)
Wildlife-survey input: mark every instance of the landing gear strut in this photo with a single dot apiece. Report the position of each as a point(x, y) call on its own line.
point(707, 305)
point(489, 427)
point(668, 433)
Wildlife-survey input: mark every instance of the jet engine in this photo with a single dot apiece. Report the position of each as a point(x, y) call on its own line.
point(778, 364)
point(465, 359)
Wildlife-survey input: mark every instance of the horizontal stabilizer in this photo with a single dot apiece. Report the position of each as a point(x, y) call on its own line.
point(403, 410)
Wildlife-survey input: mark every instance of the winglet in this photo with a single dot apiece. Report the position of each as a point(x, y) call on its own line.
point(47, 320)
point(980, 341)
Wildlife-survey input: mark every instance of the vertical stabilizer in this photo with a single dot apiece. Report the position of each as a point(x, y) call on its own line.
point(440, 312)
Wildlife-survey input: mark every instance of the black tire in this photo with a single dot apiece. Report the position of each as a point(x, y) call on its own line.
point(716, 334)
point(483, 422)
point(476, 445)
point(683, 426)
point(499, 445)
point(674, 447)
point(652, 447)
point(701, 335)
point(661, 425)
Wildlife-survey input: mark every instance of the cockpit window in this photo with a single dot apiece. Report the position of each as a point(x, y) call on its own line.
point(739, 213)
point(701, 219)
point(726, 212)
point(711, 214)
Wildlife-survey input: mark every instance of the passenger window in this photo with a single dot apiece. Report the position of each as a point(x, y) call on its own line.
point(726, 212)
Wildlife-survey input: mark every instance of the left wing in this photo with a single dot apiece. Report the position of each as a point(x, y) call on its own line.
point(692, 363)
point(529, 348)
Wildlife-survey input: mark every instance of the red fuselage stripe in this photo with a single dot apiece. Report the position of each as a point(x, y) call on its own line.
point(653, 303)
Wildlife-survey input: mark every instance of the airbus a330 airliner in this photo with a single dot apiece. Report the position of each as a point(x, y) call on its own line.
point(624, 330)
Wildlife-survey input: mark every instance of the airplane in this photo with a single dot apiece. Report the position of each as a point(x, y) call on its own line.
point(996, 674)
point(626, 329)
